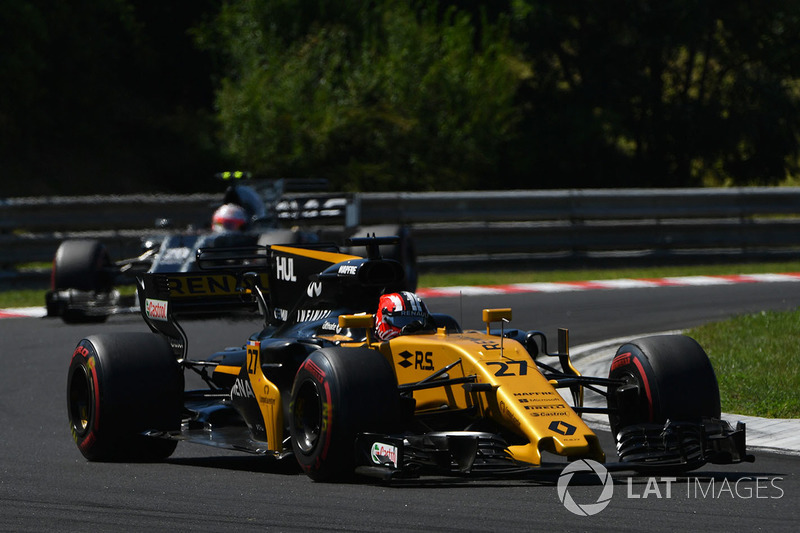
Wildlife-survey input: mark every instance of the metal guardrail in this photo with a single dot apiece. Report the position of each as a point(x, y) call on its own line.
point(473, 229)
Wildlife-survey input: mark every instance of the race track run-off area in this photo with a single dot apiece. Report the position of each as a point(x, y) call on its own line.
point(547, 287)
point(568, 286)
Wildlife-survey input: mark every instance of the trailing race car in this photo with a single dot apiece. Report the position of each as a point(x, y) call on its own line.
point(261, 212)
point(349, 377)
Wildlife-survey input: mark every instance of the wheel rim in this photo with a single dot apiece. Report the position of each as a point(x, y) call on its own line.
point(80, 401)
point(307, 417)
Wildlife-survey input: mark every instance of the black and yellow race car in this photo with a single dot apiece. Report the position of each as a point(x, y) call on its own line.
point(317, 384)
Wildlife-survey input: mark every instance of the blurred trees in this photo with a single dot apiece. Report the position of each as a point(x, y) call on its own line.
point(104, 96)
point(398, 95)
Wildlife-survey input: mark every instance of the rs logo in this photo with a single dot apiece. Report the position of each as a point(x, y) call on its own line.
point(423, 361)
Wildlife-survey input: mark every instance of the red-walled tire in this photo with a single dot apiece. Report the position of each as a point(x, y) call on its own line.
point(669, 377)
point(337, 393)
point(118, 386)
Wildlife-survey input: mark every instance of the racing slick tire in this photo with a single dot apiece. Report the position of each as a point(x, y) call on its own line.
point(667, 378)
point(118, 386)
point(338, 393)
point(404, 252)
point(83, 265)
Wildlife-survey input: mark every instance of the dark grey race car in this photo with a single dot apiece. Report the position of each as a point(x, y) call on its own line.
point(84, 277)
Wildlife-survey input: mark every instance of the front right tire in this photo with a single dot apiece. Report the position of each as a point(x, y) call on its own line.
point(668, 381)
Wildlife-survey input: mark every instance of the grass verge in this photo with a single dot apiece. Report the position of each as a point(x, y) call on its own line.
point(756, 361)
point(507, 277)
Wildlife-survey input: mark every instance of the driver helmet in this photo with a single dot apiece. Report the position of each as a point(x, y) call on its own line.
point(399, 310)
point(229, 217)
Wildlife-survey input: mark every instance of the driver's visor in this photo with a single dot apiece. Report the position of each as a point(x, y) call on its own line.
point(400, 319)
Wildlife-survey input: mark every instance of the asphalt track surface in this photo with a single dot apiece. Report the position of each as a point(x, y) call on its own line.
point(46, 485)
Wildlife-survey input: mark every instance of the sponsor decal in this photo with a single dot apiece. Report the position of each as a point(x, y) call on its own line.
point(509, 414)
point(264, 398)
point(281, 314)
point(284, 268)
point(182, 286)
point(536, 399)
point(309, 315)
point(562, 428)
point(535, 393)
point(487, 344)
point(156, 309)
point(312, 368)
point(172, 256)
point(384, 454)
point(242, 389)
point(348, 270)
point(80, 350)
point(406, 355)
point(621, 360)
point(314, 289)
point(332, 326)
point(422, 360)
point(545, 410)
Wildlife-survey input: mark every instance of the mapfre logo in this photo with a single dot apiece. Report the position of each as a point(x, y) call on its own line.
point(156, 309)
point(585, 509)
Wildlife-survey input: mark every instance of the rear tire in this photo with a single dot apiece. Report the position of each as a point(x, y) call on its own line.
point(338, 393)
point(118, 386)
point(83, 265)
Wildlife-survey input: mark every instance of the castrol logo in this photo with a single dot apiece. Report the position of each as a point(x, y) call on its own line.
point(156, 309)
point(384, 454)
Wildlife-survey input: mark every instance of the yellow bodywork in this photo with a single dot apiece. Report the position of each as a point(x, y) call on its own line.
point(520, 398)
point(267, 395)
point(507, 388)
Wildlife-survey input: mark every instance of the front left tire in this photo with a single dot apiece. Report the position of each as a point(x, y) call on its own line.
point(119, 386)
point(338, 393)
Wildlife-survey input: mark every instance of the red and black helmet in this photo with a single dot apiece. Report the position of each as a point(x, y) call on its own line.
point(400, 310)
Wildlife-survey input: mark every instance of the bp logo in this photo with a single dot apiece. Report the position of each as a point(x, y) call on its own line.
point(585, 509)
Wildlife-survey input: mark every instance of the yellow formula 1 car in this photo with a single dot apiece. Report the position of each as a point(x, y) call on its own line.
point(326, 382)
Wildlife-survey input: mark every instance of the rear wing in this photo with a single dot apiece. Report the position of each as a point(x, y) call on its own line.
point(299, 200)
point(285, 284)
point(319, 208)
point(164, 297)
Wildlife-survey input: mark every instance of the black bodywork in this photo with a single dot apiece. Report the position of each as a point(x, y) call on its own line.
point(85, 278)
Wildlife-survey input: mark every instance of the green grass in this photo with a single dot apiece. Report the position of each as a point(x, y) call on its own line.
point(756, 361)
point(22, 298)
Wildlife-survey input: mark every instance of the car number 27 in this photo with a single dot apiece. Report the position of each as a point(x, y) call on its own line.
point(510, 368)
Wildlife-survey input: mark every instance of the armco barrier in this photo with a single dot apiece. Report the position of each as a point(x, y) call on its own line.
point(472, 229)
